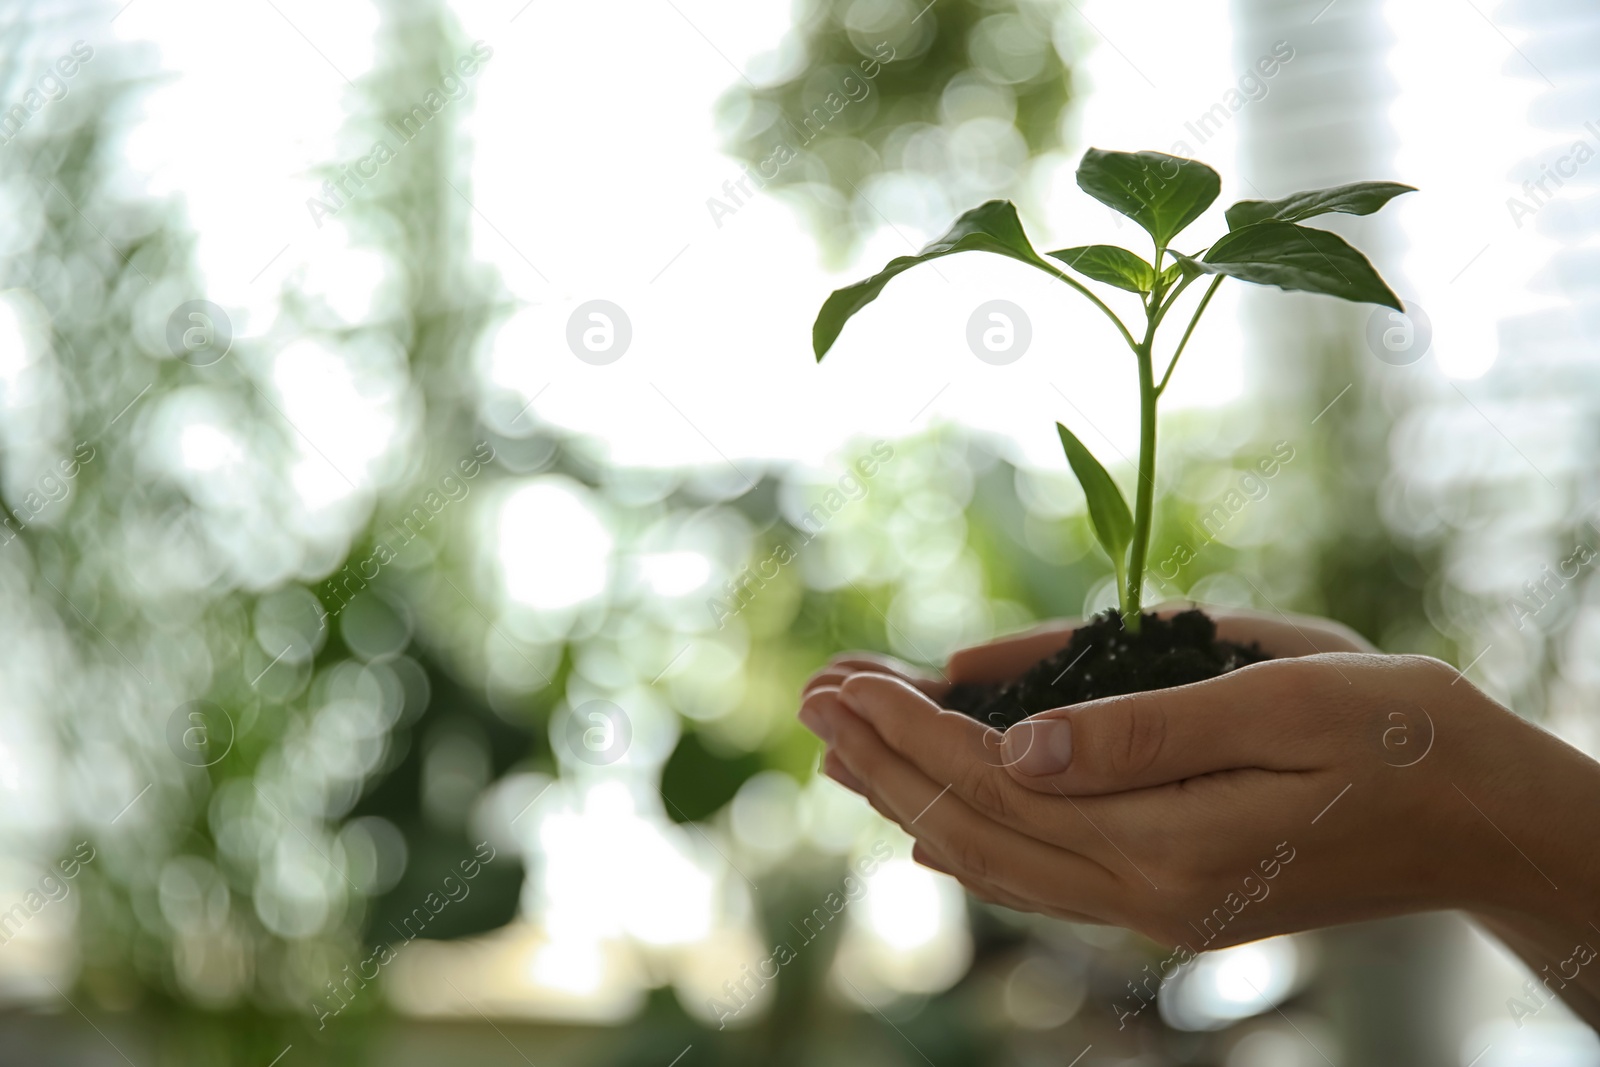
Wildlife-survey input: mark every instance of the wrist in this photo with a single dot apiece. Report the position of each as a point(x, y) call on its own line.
point(1536, 811)
point(1543, 895)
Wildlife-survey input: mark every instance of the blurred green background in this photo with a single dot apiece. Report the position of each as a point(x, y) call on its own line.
point(379, 717)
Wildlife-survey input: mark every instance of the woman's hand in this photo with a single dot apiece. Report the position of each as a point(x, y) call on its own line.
point(1003, 659)
point(1324, 788)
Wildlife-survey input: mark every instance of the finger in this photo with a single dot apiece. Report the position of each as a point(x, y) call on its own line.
point(841, 726)
point(1285, 636)
point(842, 666)
point(921, 854)
point(1004, 658)
point(834, 768)
point(1250, 718)
point(1280, 634)
point(981, 850)
point(1110, 829)
point(928, 860)
point(831, 677)
point(992, 895)
point(987, 890)
point(948, 746)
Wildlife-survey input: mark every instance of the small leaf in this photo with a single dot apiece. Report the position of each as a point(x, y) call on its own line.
point(1357, 198)
point(990, 227)
point(1162, 193)
point(1109, 264)
point(1108, 511)
point(1296, 257)
point(1173, 272)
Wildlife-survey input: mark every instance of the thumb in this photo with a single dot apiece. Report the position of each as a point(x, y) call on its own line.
point(1251, 717)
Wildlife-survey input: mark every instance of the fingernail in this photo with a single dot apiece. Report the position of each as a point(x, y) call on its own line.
point(1041, 746)
point(817, 715)
point(822, 678)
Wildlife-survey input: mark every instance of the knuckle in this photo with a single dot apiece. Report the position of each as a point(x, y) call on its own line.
point(1285, 681)
point(1288, 687)
point(971, 860)
point(1436, 670)
point(983, 788)
point(1298, 689)
point(1137, 744)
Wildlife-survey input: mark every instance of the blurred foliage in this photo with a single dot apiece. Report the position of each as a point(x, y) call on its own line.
point(697, 781)
point(242, 886)
point(870, 106)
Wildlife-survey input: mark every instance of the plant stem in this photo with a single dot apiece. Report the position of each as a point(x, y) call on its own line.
point(1145, 491)
point(1204, 300)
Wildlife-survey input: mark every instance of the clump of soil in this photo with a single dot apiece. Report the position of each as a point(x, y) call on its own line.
point(1102, 660)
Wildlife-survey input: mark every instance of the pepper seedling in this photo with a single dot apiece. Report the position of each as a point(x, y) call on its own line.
point(1265, 244)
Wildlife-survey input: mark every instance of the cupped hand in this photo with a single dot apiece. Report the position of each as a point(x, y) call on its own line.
point(1005, 658)
point(1324, 787)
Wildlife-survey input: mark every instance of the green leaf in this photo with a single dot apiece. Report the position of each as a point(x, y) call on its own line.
point(1162, 193)
point(1173, 272)
point(990, 227)
point(1357, 198)
point(1109, 264)
point(1296, 257)
point(1108, 511)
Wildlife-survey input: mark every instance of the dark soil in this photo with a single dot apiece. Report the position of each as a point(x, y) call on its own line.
point(1102, 660)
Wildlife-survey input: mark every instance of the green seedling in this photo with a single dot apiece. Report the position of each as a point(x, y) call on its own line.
point(1265, 244)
